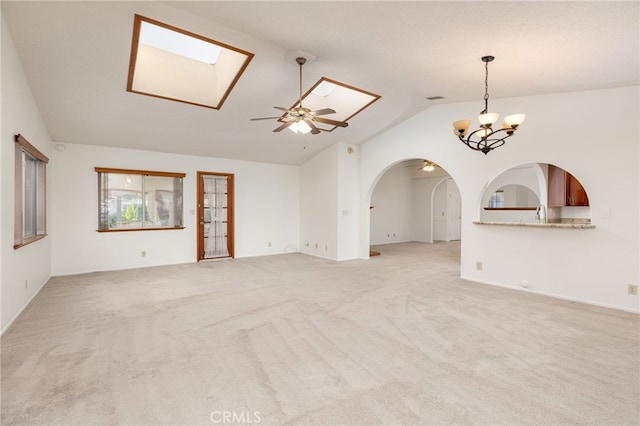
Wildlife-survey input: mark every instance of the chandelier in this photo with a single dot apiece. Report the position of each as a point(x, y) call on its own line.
point(485, 138)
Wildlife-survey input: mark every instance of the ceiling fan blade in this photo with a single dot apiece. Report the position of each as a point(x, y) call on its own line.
point(282, 109)
point(265, 118)
point(284, 126)
point(331, 122)
point(314, 129)
point(324, 111)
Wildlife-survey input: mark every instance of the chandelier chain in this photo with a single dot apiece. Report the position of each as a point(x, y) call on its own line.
point(486, 87)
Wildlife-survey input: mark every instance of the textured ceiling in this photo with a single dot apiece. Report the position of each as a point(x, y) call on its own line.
point(76, 57)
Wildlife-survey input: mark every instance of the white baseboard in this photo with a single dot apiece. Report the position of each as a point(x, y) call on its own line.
point(554, 295)
point(15, 317)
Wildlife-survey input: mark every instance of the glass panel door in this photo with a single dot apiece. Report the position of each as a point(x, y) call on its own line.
point(215, 212)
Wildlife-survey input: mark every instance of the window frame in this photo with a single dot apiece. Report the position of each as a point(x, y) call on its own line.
point(24, 149)
point(143, 173)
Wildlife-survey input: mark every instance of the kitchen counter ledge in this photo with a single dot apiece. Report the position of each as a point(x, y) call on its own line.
point(540, 225)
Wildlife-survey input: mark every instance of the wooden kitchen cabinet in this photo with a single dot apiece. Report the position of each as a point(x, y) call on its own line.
point(564, 189)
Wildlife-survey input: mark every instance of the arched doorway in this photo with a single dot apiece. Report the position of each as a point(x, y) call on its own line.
point(409, 203)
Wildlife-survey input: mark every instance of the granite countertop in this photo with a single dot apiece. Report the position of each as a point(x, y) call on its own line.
point(573, 225)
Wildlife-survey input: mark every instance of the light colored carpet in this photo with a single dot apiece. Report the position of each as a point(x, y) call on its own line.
point(293, 339)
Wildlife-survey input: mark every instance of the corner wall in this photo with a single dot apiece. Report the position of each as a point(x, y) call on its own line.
point(266, 210)
point(25, 270)
point(594, 265)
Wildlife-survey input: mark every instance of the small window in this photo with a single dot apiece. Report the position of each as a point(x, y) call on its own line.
point(497, 199)
point(30, 193)
point(130, 200)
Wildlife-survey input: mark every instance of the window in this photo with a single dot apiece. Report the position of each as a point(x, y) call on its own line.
point(178, 65)
point(130, 200)
point(497, 199)
point(30, 193)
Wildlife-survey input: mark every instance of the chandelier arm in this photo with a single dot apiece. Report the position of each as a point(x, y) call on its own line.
point(488, 144)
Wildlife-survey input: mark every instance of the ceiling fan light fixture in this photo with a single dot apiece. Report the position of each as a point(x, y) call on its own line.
point(300, 126)
point(428, 166)
point(485, 139)
point(303, 120)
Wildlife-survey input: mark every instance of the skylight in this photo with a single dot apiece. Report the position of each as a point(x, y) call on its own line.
point(175, 64)
point(324, 88)
point(178, 43)
point(345, 100)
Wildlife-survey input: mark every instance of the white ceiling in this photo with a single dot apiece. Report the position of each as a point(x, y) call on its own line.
point(76, 57)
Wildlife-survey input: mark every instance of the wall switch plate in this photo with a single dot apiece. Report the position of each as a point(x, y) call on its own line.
point(478, 266)
point(632, 289)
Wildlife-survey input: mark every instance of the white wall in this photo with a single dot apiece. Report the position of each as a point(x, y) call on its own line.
point(266, 210)
point(392, 201)
point(563, 129)
point(319, 181)
point(20, 114)
point(348, 202)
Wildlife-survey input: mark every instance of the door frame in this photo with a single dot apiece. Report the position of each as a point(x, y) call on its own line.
point(200, 214)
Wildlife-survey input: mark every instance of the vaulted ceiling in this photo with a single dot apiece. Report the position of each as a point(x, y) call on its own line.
point(76, 58)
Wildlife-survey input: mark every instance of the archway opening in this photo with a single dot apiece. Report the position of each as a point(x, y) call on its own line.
point(411, 203)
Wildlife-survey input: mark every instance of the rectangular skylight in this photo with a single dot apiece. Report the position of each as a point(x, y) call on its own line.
point(178, 65)
point(345, 100)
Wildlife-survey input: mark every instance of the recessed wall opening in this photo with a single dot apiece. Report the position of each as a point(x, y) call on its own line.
point(534, 193)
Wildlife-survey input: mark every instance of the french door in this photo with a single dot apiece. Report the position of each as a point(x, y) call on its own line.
point(215, 215)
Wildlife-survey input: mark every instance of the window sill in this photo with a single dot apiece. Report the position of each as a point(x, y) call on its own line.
point(28, 241)
point(140, 229)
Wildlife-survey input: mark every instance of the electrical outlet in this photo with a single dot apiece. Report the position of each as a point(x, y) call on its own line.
point(326, 248)
point(26, 284)
point(632, 289)
point(316, 245)
point(269, 243)
point(478, 266)
point(143, 253)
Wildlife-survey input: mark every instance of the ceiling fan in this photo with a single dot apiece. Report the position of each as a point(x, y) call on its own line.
point(303, 119)
point(428, 166)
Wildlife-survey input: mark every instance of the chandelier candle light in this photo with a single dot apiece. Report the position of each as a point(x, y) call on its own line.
point(485, 138)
